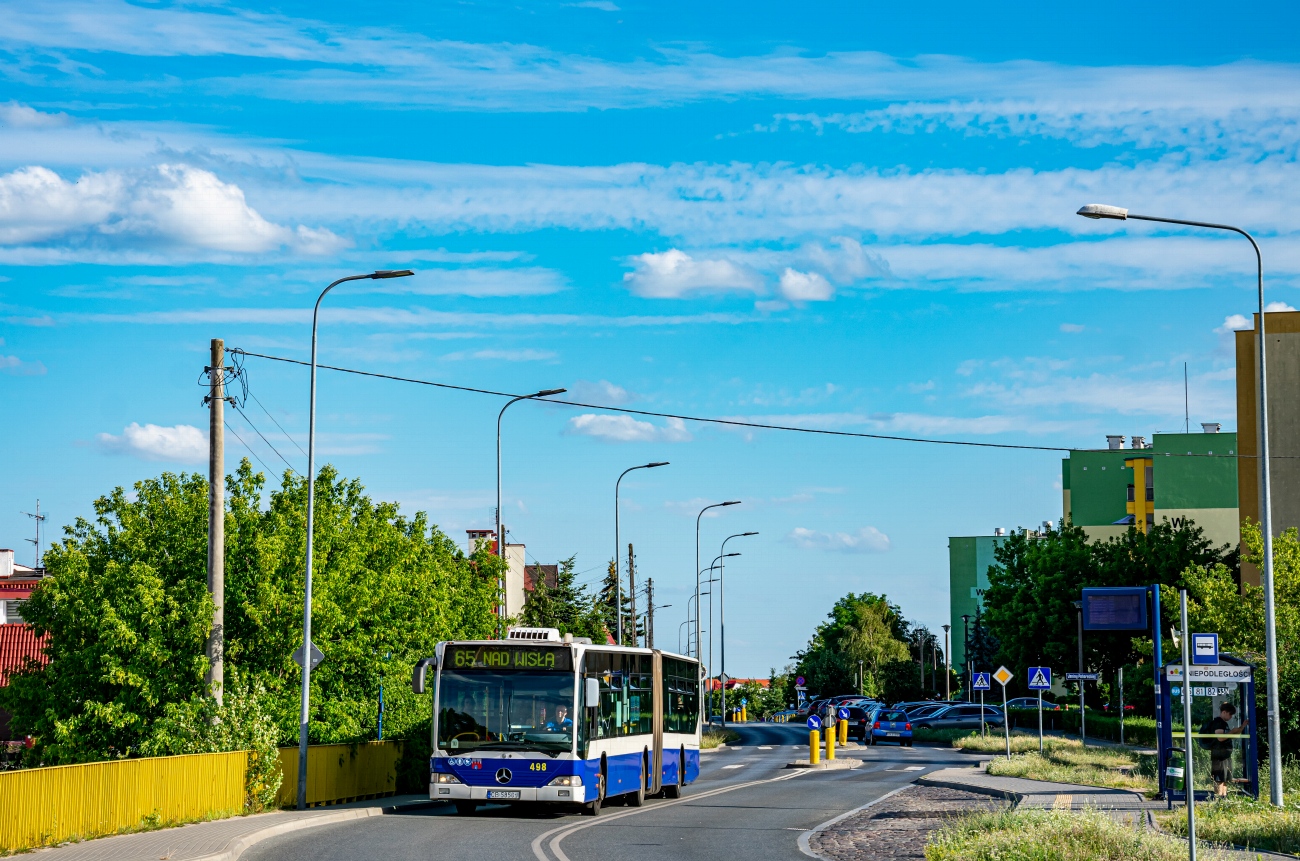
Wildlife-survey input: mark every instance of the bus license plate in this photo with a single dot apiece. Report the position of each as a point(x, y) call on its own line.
point(503, 793)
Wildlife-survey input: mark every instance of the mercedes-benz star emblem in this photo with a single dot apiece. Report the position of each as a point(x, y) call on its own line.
point(503, 775)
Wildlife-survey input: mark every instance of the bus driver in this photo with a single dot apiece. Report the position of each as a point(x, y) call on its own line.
point(561, 722)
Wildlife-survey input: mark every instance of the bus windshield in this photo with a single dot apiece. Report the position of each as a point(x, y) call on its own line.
point(510, 710)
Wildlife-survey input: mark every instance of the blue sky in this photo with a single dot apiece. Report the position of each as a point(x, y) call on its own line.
point(821, 216)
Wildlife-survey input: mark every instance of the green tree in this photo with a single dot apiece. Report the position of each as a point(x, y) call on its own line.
point(1028, 605)
point(607, 601)
point(863, 627)
point(128, 614)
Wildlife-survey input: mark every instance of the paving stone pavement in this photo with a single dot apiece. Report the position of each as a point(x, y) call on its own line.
point(898, 827)
point(217, 840)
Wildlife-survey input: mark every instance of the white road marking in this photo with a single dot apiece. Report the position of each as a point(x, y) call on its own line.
point(737, 765)
point(765, 747)
point(905, 768)
point(539, 842)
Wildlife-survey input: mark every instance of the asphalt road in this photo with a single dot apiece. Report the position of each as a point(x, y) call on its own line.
point(746, 804)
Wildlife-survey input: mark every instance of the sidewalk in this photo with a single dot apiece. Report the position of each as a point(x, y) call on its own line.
point(223, 839)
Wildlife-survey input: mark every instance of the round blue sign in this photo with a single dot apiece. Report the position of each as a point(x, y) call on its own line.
point(744, 701)
point(814, 722)
point(844, 714)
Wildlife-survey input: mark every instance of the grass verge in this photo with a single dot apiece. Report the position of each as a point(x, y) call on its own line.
point(1241, 821)
point(1065, 760)
point(712, 738)
point(1048, 835)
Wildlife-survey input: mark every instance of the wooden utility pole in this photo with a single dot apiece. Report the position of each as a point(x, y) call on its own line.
point(216, 401)
point(649, 612)
point(631, 582)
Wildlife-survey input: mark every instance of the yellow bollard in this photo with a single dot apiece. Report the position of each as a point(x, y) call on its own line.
point(830, 744)
point(844, 731)
point(744, 714)
point(814, 747)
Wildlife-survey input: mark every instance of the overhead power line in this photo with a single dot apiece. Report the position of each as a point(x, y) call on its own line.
point(740, 423)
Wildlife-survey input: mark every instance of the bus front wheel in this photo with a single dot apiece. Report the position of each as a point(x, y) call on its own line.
point(593, 807)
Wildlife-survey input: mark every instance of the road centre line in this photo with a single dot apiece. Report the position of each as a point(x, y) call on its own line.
point(565, 830)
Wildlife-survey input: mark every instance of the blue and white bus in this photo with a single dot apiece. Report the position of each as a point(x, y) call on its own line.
point(542, 718)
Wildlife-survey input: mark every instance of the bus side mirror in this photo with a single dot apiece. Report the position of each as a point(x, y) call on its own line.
point(591, 693)
point(418, 674)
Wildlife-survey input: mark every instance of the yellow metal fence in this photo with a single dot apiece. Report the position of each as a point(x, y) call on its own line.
point(341, 772)
point(50, 805)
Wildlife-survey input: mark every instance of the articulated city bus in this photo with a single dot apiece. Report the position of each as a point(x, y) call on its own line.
point(541, 718)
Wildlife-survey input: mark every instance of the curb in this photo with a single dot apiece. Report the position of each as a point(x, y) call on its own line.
point(1014, 797)
point(241, 845)
point(805, 839)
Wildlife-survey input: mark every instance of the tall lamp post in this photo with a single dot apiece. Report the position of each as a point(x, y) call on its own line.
point(502, 609)
point(947, 665)
point(722, 616)
point(697, 568)
point(1117, 213)
point(311, 522)
point(969, 684)
point(618, 577)
point(713, 566)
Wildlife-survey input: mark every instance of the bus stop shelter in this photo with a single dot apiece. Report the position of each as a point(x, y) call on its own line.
point(1234, 756)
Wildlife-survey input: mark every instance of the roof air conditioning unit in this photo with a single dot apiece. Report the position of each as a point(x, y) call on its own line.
point(548, 634)
point(1114, 442)
point(1210, 427)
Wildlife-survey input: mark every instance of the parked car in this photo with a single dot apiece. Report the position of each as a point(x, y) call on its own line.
point(959, 717)
point(926, 710)
point(1032, 703)
point(1128, 707)
point(859, 721)
point(891, 725)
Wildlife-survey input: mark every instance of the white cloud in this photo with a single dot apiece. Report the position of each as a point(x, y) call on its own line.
point(673, 274)
point(1275, 307)
point(20, 116)
point(618, 428)
point(805, 286)
point(476, 281)
point(16, 367)
point(602, 5)
point(602, 392)
point(182, 443)
point(868, 539)
point(502, 355)
point(1233, 322)
point(1072, 328)
point(171, 205)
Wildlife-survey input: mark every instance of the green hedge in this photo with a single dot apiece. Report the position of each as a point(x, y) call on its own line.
point(1137, 730)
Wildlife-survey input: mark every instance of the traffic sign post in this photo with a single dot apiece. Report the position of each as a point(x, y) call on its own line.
point(1040, 679)
point(981, 683)
point(1002, 676)
point(1205, 649)
point(814, 740)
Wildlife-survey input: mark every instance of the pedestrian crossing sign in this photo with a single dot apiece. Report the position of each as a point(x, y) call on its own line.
point(1003, 675)
point(982, 682)
point(1040, 678)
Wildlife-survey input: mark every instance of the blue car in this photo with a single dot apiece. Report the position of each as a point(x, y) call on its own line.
point(891, 725)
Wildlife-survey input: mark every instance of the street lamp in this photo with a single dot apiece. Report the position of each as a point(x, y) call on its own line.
point(697, 568)
point(947, 665)
point(717, 560)
point(965, 653)
point(679, 630)
point(722, 617)
point(501, 530)
point(311, 521)
point(618, 578)
point(1118, 213)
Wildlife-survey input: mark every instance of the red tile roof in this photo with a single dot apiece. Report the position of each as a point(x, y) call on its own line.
point(18, 643)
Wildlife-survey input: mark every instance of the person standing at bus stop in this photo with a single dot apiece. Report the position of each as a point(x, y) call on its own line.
point(1221, 748)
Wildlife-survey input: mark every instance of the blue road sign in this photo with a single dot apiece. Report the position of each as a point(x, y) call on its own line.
point(1040, 678)
point(982, 682)
point(744, 701)
point(1205, 649)
point(814, 722)
point(844, 713)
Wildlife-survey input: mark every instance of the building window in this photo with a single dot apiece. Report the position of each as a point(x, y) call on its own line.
point(9, 613)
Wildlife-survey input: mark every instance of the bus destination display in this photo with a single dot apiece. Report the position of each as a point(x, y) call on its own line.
point(510, 657)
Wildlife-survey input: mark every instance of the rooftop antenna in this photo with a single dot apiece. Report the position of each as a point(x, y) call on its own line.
point(38, 517)
point(1186, 423)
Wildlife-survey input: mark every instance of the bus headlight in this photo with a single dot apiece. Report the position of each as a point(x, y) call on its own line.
point(445, 778)
point(567, 780)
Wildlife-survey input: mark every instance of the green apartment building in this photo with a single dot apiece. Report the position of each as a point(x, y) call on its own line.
point(1176, 477)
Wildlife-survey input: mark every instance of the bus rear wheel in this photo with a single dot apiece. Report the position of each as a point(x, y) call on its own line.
point(674, 790)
